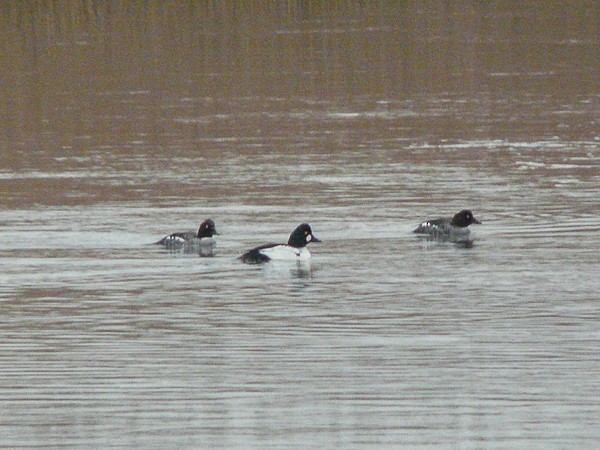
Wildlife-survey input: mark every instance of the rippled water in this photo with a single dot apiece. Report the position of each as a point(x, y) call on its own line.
point(382, 340)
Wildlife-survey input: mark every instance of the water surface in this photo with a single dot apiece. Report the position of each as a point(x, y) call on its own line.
point(126, 123)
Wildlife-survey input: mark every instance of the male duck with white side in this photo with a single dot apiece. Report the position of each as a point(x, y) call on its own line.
point(294, 250)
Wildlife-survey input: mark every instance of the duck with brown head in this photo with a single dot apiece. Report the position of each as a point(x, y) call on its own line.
point(454, 228)
point(201, 242)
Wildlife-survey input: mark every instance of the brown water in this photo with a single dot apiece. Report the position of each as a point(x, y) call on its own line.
point(121, 123)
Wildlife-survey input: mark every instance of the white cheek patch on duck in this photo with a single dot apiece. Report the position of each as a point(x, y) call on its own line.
point(308, 238)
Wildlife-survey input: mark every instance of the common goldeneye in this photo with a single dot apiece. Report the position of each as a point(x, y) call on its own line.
point(201, 242)
point(294, 250)
point(455, 228)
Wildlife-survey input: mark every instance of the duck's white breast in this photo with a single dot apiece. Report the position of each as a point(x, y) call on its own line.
point(207, 246)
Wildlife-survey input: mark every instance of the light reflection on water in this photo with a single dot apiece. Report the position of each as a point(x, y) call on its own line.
point(382, 340)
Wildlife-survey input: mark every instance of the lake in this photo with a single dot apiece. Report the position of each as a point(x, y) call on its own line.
point(124, 122)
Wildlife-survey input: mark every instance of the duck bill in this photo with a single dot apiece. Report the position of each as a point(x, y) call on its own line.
point(315, 239)
point(476, 221)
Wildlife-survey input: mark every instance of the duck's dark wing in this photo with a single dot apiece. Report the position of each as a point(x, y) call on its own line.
point(176, 239)
point(254, 256)
point(430, 226)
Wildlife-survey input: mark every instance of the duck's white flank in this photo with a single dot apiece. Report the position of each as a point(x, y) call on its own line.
point(286, 252)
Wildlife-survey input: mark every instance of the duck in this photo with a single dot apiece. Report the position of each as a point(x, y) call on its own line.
point(294, 250)
point(201, 242)
point(448, 228)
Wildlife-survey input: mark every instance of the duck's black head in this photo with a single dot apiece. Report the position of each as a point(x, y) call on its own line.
point(207, 229)
point(464, 218)
point(301, 236)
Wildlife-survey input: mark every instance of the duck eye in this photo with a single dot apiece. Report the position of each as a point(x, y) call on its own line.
point(306, 233)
